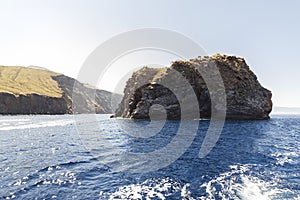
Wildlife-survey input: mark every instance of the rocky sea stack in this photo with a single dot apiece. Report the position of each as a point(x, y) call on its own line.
point(246, 99)
point(32, 90)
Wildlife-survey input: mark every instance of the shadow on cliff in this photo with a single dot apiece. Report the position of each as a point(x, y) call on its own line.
point(83, 98)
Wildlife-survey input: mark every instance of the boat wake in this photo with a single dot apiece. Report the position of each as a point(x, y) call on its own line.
point(238, 183)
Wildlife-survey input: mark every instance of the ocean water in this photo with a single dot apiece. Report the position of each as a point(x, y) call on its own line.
point(64, 157)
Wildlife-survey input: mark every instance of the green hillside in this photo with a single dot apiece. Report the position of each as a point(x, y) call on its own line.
point(24, 80)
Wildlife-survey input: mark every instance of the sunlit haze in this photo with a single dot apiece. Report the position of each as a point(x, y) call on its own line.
point(59, 35)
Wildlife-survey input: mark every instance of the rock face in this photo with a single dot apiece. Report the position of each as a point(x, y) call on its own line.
point(146, 92)
point(82, 98)
point(37, 91)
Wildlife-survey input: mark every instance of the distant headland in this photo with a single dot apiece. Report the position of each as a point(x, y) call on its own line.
point(33, 90)
point(246, 99)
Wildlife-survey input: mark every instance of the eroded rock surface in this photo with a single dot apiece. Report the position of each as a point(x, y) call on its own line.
point(245, 97)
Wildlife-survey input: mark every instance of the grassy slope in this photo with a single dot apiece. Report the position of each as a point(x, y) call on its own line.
point(23, 80)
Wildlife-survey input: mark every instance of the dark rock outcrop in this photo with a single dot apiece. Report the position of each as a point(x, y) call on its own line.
point(245, 97)
point(32, 104)
point(74, 97)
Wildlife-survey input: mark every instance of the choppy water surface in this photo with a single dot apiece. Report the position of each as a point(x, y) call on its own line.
point(44, 157)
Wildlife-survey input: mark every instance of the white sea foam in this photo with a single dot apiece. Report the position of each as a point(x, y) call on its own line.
point(14, 120)
point(284, 157)
point(253, 188)
point(36, 125)
point(149, 189)
point(239, 184)
point(235, 184)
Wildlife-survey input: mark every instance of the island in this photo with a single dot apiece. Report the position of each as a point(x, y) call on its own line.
point(246, 99)
point(35, 90)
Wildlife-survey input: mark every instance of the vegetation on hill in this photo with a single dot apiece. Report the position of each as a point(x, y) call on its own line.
point(24, 80)
point(34, 90)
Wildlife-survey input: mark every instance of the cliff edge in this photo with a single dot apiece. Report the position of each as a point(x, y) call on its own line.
point(246, 99)
point(28, 90)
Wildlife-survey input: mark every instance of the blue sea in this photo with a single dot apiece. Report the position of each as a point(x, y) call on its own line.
point(84, 157)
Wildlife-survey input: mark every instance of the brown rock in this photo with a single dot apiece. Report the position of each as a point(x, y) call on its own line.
point(245, 97)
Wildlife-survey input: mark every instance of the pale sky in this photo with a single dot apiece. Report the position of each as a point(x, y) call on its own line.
point(60, 34)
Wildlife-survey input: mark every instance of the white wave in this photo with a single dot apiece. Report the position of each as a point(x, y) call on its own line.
point(235, 184)
point(239, 184)
point(149, 189)
point(285, 157)
point(14, 120)
point(254, 188)
point(37, 125)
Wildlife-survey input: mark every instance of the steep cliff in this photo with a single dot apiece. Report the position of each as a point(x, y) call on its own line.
point(26, 90)
point(245, 97)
